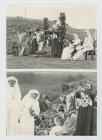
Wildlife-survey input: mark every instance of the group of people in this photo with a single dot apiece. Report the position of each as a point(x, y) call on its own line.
point(72, 113)
point(28, 43)
point(20, 113)
point(54, 42)
point(75, 49)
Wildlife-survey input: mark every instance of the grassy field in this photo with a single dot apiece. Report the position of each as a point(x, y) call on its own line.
point(19, 23)
point(32, 62)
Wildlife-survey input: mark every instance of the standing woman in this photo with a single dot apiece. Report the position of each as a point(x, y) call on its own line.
point(28, 45)
point(34, 44)
point(85, 112)
point(55, 45)
point(30, 108)
point(13, 106)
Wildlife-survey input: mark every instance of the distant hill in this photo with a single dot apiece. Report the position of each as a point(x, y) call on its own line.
point(48, 82)
point(22, 24)
point(80, 32)
point(23, 21)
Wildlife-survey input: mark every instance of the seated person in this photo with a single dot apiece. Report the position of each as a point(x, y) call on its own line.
point(87, 46)
point(67, 51)
point(68, 128)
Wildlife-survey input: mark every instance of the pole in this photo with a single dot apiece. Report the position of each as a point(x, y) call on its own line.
point(25, 13)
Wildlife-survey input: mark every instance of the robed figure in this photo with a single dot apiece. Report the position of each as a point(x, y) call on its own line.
point(13, 106)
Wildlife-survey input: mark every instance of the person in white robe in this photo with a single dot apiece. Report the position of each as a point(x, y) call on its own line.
point(76, 42)
point(20, 42)
point(88, 42)
point(67, 51)
point(40, 39)
point(78, 48)
point(87, 46)
point(41, 42)
point(30, 108)
point(13, 106)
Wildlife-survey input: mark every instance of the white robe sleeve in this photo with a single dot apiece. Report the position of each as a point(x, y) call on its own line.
point(76, 42)
point(36, 108)
point(88, 42)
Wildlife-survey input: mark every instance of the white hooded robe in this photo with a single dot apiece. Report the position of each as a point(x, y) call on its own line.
point(27, 120)
point(13, 107)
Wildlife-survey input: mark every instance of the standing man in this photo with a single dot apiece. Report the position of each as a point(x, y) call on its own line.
point(61, 31)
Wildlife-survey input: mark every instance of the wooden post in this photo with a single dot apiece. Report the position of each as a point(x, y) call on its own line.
point(46, 26)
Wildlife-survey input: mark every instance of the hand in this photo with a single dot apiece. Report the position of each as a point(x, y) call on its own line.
point(19, 120)
point(31, 112)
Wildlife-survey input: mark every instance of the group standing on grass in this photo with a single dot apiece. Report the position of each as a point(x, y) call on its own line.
point(54, 42)
point(72, 113)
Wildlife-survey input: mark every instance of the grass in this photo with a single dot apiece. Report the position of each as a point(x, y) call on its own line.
point(32, 62)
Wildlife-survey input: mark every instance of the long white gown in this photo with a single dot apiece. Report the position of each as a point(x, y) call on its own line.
point(79, 55)
point(13, 108)
point(67, 51)
point(27, 120)
point(40, 40)
point(20, 42)
point(87, 46)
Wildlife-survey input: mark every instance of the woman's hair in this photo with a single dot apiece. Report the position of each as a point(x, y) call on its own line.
point(57, 121)
point(90, 83)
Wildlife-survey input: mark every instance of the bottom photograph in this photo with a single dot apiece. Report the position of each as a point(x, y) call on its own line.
point(51, 103)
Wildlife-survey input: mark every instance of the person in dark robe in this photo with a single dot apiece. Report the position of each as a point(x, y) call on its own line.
point(85, 112)
point(55, 45)
point(28, 45)
point(61, 35)
point(15, 49)
point(94, 118)
point(34, 44)
point(44, 103)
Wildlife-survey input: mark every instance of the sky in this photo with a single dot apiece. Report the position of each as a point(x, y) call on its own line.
point(77, 16)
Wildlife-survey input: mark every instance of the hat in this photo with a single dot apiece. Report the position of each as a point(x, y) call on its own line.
point(37, 29)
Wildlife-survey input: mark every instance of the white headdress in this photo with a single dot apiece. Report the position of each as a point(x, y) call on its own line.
point(75, 35)
point(89, 35)
point(34, 91)
point(13, 91)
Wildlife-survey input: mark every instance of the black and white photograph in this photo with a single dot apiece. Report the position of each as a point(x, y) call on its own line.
point(50, 69)
point(51, 103)
point(51, 36)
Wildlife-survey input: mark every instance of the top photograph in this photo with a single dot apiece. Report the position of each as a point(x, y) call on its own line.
point(51, 37)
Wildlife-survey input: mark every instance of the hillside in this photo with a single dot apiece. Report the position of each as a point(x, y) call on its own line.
point(22, 24)
point(49, 83)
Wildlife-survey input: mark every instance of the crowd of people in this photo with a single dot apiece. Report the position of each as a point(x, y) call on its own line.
point(72, 113)
point(53, 42)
